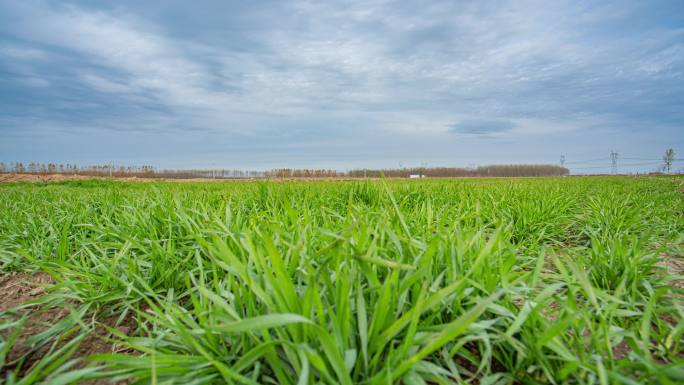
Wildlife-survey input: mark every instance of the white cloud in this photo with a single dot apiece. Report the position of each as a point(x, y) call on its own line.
point(105, 85)
point(333, 65)
point(146, 60)
point(22, 53)
point(365, 69)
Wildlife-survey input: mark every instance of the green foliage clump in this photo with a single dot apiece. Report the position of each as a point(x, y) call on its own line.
point(490, 281)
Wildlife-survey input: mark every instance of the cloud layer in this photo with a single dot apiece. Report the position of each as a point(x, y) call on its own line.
point(342, 84)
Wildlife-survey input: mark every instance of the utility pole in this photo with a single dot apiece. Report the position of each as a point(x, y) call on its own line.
point(668, 158)
point(613, 162)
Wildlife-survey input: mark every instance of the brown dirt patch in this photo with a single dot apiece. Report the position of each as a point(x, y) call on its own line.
point(552, 311)
point(43, 178)
point(38, 178)
point(621, 350)
point(675, 267)
point(7, 178)
point(18, 288)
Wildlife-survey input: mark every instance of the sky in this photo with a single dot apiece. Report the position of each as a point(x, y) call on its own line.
point(342, 84)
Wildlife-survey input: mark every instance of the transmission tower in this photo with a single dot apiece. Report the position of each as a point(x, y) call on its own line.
point(562, 160)
point(613, 162)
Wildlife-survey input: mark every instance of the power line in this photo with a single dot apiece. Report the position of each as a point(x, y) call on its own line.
point(621, 164)
point(587, 161)
point(639, 164)
point(595, 163)
point(589, 167)
point(654, 159)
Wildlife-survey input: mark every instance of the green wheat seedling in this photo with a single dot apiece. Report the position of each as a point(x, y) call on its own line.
point(490, 281)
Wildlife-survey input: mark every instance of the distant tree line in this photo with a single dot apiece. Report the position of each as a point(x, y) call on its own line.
point(54, 168)
point(305, 173)
point(144, 171)
point(147, 171)
point(511, 170)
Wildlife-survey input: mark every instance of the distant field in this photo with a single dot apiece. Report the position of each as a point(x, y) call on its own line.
point(483, 281)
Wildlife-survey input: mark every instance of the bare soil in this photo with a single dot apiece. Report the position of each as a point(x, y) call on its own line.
point(43, 178)
point(675, 267)
point(19, 288)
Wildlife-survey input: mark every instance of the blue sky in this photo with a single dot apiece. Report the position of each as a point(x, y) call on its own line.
point(258, 84)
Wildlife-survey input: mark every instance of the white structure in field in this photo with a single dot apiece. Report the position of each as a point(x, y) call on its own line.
point(416, 176)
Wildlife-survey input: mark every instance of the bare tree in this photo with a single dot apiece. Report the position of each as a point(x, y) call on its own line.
point(668, 158)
